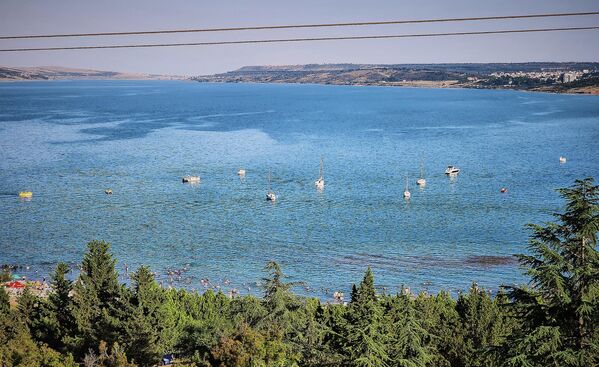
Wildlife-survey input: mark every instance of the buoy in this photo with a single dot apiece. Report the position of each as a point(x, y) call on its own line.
point(25, 194)
point(503, 190)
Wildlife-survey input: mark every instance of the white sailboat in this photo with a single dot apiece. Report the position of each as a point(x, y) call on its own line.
point(406, 193)
point(421, 181)
point(270, 195)
point(320, 182)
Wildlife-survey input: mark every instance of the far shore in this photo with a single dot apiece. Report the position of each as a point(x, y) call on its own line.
point(420, 84)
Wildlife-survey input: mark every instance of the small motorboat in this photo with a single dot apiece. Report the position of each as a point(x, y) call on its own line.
point(562, 159)
point(108, 191)
point(271, 196)
point(241, 172)
point(452, 170)
point(191, 179)
point(26, 194)
point(503, 190)
point(320, 182)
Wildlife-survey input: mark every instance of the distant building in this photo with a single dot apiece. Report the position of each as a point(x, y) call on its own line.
point(568, 77)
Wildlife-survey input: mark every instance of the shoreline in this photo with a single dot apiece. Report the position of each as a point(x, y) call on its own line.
point(594, 92)
point(416, 84)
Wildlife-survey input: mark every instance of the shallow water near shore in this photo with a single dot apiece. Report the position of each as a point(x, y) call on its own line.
point(69, 141)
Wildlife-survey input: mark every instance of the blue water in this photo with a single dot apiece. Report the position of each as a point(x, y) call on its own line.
point(68, 141)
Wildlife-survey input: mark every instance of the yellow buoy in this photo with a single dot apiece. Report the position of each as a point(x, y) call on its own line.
point(25, 194)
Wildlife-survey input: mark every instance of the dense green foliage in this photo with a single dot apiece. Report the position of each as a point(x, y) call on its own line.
point(560, 309)
point(95, 321)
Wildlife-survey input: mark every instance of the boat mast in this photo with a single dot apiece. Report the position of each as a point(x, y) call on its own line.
point(321, 168)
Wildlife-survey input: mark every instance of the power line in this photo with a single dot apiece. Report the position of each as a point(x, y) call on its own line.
point(287, 26)
point(301, 39)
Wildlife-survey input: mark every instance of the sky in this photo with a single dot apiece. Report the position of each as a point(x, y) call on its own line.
point(18, 17)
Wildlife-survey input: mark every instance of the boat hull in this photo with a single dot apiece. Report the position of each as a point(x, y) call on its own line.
point(191, 179)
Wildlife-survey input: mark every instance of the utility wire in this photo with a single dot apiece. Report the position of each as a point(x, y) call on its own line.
point(301, 39)
point(352, 24)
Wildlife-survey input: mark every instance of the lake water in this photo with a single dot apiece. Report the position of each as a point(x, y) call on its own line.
point(69, 141)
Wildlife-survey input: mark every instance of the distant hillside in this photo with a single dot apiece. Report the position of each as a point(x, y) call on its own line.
point(470, 68)
point(60, 73)
point(541, 76)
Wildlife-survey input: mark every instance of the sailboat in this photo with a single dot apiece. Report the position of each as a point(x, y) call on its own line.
point(421, 181)
point(320, 182)
point(406, 193)
point(270, 195)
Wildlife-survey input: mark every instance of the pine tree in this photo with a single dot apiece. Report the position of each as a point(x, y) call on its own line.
point(4, 302)
point(34, 312)
point(279, 302)
point(409, 344)
point(99, 304)
point(98, 273)
point(61, 308)
point(143, 326)
point(334, 318)
point(559, 310)
point(273, 283)
point(314, 345)
point(365, 335)
point(482, 325)
point(365, 292)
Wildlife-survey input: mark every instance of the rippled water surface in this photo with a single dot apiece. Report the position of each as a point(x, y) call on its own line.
point(68, 141)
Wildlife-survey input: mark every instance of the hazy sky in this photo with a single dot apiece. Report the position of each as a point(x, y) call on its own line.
point(58, 16)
